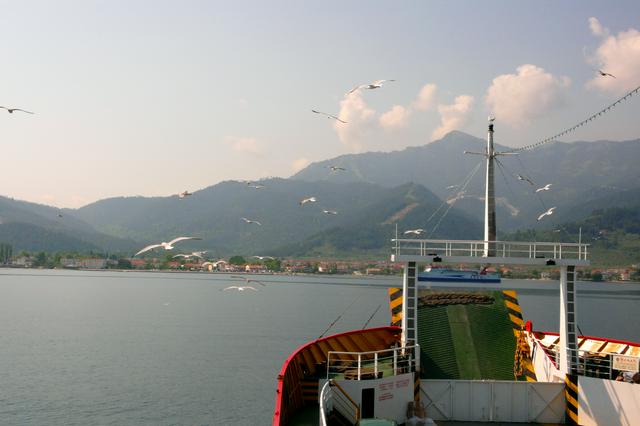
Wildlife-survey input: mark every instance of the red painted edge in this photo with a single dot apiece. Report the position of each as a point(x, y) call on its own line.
point(285, 365)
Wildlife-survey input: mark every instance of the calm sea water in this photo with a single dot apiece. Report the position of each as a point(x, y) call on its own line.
point(137, 348)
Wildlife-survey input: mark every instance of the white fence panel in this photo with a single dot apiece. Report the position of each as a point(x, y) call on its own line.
point(493, 401)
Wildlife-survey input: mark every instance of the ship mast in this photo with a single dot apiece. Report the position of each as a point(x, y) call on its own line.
point(489, 194)
point(489, 197)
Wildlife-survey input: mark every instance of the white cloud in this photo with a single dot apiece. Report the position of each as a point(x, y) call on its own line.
point(359, 117)
point(396, 118)
point(299, 164)
point(453, 116)
point(426, 98)
point(517, 98)
point(245, 145)
point(618, 55)
point(596, 28)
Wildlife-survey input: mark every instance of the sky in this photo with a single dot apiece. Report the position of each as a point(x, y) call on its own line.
point(151, 98)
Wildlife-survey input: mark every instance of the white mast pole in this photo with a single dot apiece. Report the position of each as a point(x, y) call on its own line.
point(489, 198)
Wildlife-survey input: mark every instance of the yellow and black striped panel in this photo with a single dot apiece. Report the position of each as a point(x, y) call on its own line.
point(517, 322)
point(416, 386)
point(515, 313)
point(529, 372)
point(571, 397)
point(395, 304)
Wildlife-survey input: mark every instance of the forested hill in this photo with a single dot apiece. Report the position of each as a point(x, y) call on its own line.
point(578, 172)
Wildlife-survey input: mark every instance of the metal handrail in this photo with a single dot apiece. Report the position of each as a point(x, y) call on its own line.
point(371, 362)
point(325, 395)
point(477, 248)
point(326, 402)
point(591, 363)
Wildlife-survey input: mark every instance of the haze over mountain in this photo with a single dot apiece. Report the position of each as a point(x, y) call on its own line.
point(35, 227)
point(579, 171)
point(214, 214)
point(370, 196)
point(409, 206)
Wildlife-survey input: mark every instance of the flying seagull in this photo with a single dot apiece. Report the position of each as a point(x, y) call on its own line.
point(248, 280)
point(605, 74)
point(251, 221)
point(166, 246)
point(308, 200)
point(547, 187)
point(184, 194)
point(414, 231)
point(186, 256)
point(193, 254)
point(240, 288)
point(328, 116)
point(16, 109)
point(547, 213)
point(375, 85)
point(264, 257)
point(524, 178)
point(336, 168)
point(255, 185)
point(329, 212)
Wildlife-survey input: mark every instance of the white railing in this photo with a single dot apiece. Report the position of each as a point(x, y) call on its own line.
point(600, 364)
point(476, 248)
point(333, 397)
point(374, 364)
point(326, 405)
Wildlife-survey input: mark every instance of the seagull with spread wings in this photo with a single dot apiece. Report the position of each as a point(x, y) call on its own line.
point(184, 194)
point(414, 231)
point(164, 245)
point(329, 212)
point(307, 200)
point(331, 116)
point(336, 168)
point(525, 179)
point(375, 85)
point(10, 110)
point(251, 221)
point(547, 213)
point(193, 254)
point(605, 74)
point(264, 257)
point(547, 187)
point(240, 288)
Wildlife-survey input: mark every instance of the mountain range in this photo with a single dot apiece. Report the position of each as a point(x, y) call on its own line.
point(375, 192)
point(580, 172)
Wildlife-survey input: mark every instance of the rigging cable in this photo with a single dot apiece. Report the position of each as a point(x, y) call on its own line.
point(371, 317)
point(528, 175)
point(464, 187)
point(339, 316)
point(501, 166)
point(575, 127)
point(464, 183)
